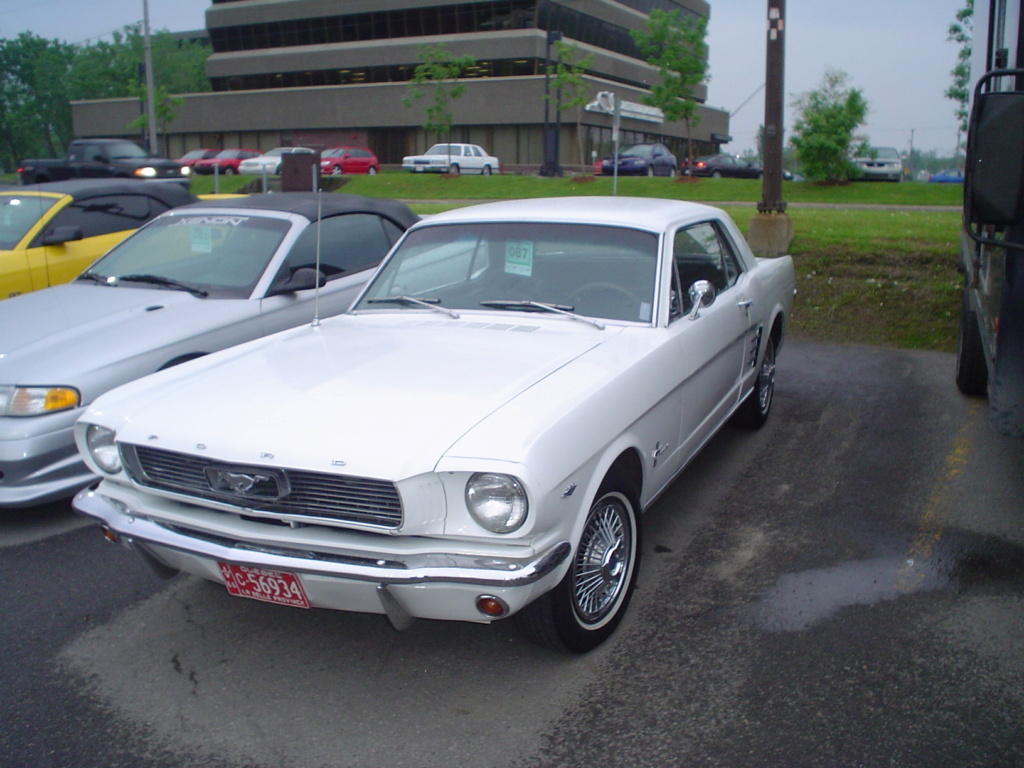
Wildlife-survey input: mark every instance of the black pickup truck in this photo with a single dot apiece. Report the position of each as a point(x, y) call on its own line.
point(102, 159)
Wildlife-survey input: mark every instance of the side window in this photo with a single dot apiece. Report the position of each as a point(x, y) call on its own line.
point(103, 215)
point(348, 243)
point(702, 253)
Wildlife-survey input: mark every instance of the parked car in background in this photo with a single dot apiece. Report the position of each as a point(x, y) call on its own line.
point(880, 164)
point(195, 280)
point(475, 438)
point(104, 159)
point(225, 162)
point(270, 162)
point(641, 160)
point(191, 158)
point(454, 159)
point(335, 161)
point(723, 166)
point(49, 233)
point(948, 176)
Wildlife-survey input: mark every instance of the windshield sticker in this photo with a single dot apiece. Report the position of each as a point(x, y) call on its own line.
point(519, 257)
point(202, 240)
point(209, 221)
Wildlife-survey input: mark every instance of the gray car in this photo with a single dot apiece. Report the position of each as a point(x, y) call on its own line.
point(194, 280)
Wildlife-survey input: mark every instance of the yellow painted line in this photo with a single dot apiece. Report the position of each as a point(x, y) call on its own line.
point(931, 523)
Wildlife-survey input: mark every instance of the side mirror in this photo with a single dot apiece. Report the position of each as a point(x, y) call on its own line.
point(302, 279)
point(61, 235)
point(702, 294)
point(994, 174)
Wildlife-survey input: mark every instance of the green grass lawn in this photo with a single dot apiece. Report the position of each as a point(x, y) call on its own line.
point(864, 275)
point(883, 276)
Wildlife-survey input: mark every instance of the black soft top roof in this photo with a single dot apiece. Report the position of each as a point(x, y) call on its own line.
point(311, 205)
point(170, 193)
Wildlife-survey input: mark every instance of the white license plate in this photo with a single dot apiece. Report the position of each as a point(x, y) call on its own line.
point(278, 587)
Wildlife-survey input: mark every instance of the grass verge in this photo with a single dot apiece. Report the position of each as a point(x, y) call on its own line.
point(871, 276)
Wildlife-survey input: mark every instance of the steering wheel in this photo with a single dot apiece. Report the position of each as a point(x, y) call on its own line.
point(608, 295)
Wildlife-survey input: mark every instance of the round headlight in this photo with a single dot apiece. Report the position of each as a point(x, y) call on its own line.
point(102, 448)
point(497, 502)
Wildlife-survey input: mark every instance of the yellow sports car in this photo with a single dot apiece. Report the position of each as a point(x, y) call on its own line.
point(49, 233)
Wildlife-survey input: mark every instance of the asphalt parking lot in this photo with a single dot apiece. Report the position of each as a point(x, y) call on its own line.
point(844, 587)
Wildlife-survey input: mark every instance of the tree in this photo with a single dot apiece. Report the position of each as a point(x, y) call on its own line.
point(961, 32)
point(569, 86)
point(441, 72)
point(40, 78)
point(823, 133)
point(675, 45)
point(35, 100)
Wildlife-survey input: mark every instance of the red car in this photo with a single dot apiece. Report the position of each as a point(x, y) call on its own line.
point(191, 158)
point(338, 160)
point(226, 161)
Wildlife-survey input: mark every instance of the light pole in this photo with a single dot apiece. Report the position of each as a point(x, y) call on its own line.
point(771, 230)
point(150, 99)
point(550, 165)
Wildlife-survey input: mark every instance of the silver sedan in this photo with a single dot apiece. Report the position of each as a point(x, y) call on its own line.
point(195, 280)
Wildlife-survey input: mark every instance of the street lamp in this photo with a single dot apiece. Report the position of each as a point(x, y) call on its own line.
point(550, 166)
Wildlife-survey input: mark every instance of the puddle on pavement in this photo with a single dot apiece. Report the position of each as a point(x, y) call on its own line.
point(960, 560)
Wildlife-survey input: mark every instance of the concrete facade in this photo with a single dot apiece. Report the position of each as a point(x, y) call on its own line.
point(350, 91)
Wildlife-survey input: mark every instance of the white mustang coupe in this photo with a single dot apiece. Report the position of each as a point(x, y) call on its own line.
point(475, 438)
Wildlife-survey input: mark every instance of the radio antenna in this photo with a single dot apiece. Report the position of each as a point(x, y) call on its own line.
point(316, 278)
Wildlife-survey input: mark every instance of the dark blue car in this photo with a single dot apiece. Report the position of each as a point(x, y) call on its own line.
point(642, 160)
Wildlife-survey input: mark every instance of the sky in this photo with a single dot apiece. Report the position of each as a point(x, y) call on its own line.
point(894, 51)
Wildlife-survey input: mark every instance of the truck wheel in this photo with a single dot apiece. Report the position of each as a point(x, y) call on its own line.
point(586, 606)
point(971, 368)
point(753, 411)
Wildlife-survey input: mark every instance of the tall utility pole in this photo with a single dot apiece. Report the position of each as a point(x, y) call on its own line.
point(150, 98)
point(772, 229)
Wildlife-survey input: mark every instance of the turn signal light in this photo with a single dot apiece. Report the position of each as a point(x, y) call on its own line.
point(491, 607)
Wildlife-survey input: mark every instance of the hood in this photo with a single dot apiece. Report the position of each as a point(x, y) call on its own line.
point(58, 334)
point(382, 395)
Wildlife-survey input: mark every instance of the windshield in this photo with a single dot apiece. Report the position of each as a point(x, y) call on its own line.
point(638, 150)
point(126, 149)
point(222, 254)
point(17, 215)
point(597, 271)
point(887, 153)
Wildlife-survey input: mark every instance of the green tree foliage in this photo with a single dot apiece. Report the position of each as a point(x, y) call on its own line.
point(439, 73)
point(961, 32)
point(568, 85)
point(113, 69)
point(35, 98)
point(823, 133)
point(40, 78)
point(674, 44)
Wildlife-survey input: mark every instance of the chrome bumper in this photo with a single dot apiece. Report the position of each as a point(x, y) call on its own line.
point(137, 532)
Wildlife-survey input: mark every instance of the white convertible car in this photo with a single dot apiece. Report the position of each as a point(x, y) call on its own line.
point(475, 438)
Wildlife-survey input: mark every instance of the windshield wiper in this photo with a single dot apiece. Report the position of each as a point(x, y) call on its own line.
point(432, 304)
point(525, 305)
point(101, 279)
point(166, 282)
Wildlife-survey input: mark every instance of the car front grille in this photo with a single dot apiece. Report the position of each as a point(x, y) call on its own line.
point(312, 496)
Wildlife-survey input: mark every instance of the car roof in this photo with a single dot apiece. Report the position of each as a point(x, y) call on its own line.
point(312, 205)
point(636, 212)
point(172, 194)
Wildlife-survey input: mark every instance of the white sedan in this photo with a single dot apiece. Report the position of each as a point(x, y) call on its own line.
point(475, 438)
point(454, 159)
point(270, 162)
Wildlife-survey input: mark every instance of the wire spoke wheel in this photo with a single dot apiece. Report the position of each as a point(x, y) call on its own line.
point(601, 564)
